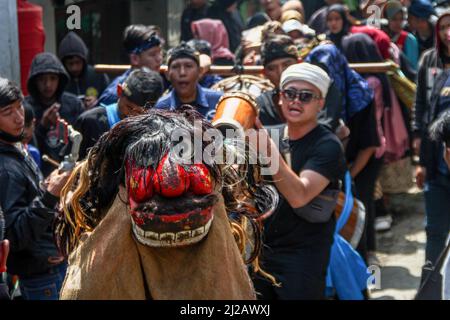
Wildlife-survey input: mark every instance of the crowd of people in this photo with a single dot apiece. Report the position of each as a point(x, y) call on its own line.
point(333, 120)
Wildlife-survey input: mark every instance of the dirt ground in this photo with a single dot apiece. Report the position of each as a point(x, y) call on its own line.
point(402, 249)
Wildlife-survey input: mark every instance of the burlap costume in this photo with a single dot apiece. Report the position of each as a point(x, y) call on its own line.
point(110, 265)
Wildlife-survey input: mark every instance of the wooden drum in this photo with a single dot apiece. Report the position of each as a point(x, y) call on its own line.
point(237, 109)
point(354, 228)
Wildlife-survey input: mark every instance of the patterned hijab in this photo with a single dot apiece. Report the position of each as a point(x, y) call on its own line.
point(357, 93)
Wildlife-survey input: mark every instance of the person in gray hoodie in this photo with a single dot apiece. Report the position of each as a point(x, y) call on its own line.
point(84, 81)
point(46, 84)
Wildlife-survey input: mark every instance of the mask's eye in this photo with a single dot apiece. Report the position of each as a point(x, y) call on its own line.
point(200, 180)
point(140, 183)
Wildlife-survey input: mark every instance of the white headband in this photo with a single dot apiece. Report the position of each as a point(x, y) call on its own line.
point(308, 73)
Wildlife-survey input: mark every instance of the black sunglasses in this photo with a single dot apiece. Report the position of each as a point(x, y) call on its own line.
point(303, 96)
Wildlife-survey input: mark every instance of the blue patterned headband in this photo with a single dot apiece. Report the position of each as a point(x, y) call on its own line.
point(151, 42)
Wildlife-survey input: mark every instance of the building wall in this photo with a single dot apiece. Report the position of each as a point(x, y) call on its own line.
point(164, 13)
point(9, 38)
point(49, 24)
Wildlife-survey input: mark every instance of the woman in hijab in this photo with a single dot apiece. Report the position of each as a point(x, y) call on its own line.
point(214, 32)
point(392, 133)
point(358, 113)
point(337, 24)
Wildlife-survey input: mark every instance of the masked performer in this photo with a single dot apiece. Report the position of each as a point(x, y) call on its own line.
point(141, 225)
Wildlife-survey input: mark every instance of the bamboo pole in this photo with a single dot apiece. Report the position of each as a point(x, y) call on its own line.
point(377, 67)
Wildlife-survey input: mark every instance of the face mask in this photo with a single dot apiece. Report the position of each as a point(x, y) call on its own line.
point(10, 138)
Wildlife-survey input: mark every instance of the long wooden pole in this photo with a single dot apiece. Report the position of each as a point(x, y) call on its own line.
point(378, 67)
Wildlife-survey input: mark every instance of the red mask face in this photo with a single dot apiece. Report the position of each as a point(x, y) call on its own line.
point(171, 205)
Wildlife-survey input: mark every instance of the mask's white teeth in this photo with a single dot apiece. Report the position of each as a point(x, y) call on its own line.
point(170, 239)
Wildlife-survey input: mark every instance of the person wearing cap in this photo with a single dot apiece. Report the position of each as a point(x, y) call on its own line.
point(405, 41)
point(84, 81)
point(298, 238)
point(144, 48)
point(297, 30)
point(29, 205)
point(432, 173)
point(421, 18)
point(138, 93)
point(277, 53)
point(184, 74)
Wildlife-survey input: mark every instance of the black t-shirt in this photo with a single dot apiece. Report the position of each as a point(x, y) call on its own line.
point(320, 151)
point(363, 132)
point(269, 114)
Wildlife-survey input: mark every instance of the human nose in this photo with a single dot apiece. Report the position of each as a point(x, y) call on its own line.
point(19, 116)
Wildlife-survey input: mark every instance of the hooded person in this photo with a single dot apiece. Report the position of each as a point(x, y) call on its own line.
point(29, 206)
point(84, 82)
point(46, 84)
point(214, 32)
point(432, 99)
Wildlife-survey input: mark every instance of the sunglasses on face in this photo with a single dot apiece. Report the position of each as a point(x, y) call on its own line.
point(303, 96)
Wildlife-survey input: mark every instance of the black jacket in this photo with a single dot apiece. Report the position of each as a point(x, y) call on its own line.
point(91, 124)
point(71, 106)
point(29, 213)
point(232, 21)
point(189, 15)
point(430, 81)
point(90, 82)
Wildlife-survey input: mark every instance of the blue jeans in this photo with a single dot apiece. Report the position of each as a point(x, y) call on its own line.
point(44, 286)
point(437, 207)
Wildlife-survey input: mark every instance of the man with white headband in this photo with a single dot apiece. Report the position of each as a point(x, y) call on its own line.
point(299, 235)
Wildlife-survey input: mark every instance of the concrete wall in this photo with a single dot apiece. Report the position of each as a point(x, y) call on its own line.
point(164, 13)
point(9, 38)
point(49, 24)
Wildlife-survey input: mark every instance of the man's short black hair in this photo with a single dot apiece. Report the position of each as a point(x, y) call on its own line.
point(183, 50)
point(28, 113)
point(200, 45)
point(136, 35)
point(440, 129)
point(9, 92)
point(143, 87)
